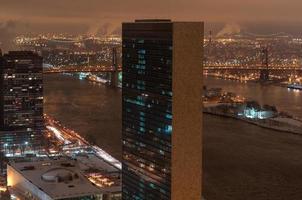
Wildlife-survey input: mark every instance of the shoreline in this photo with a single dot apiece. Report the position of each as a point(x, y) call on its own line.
point(272, 82)
point(256, 123)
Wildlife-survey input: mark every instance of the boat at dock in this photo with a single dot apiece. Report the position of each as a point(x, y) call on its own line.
point(96, 79)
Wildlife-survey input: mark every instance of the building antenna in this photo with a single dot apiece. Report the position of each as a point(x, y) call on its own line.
point(265, 61)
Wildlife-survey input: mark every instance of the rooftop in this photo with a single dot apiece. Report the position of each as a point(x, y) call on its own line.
point(56, 178)
point(152, 20)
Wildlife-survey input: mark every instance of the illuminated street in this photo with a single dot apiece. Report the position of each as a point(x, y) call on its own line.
point(72, 143)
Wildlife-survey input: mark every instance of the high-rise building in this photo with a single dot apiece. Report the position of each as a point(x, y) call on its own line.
point(21, 101)
point(162, 110)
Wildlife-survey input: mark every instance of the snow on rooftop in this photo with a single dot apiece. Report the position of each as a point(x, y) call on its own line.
point(57, 178)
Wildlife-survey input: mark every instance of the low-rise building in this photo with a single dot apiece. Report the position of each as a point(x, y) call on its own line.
point(60, 179)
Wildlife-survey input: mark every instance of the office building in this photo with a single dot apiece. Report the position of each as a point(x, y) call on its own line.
point(21, 102)
point(162, 110)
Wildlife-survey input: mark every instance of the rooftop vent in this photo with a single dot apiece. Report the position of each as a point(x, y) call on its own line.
point(67, 165)
point(59, 175)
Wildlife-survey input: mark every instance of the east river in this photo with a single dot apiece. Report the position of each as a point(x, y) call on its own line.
point(241, 161)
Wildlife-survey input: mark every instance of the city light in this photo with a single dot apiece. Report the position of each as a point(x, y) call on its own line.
point(95, 106)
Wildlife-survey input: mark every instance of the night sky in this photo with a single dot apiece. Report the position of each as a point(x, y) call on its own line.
point(105, 16)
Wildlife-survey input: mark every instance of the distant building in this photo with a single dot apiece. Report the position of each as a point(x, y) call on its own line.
point(21, 101)
point(254, 110)
point(162, 110)
point(53, 180)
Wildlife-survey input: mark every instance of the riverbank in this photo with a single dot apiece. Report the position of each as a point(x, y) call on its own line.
point(284, 99)
point(94, 110)
point(277, 82)
point(280, 124)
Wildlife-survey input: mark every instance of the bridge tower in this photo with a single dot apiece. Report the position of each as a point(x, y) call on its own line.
point(210, 43)
point(264, 73)
point(88, 60)
point(114, 74)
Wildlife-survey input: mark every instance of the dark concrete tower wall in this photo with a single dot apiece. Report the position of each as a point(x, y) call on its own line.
point(187, 110)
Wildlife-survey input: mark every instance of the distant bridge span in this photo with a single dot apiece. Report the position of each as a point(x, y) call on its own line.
point(78, 69)
point(250, 67)
point(274, 69)
point(96, 69)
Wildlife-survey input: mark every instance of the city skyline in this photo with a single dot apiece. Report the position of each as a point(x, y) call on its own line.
point(150, 100)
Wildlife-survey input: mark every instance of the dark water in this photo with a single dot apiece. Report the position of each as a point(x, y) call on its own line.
point(241, 161)
point(286, 100)
point(91, 109)
point(246, 162)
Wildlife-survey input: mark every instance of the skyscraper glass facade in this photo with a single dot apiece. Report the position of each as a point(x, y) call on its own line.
point(21, 104)
point(147, 110)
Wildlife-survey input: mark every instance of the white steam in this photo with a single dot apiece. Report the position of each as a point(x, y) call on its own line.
point(228, 29)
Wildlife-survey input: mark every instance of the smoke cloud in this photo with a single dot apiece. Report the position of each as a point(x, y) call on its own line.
point(228, 29)
point(98, 29)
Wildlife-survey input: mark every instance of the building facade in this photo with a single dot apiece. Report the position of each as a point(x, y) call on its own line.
point(162, 110)
point(21, 103)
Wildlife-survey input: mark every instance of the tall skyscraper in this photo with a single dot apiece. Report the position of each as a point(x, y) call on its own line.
point(21, 101)
point(162, 110)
